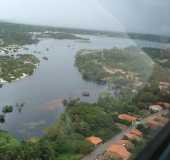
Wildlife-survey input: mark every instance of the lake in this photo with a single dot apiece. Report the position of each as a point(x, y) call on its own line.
point(55, 79)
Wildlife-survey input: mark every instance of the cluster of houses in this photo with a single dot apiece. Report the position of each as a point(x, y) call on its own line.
point(122, 148)
point(159, 106)
point(10, 50)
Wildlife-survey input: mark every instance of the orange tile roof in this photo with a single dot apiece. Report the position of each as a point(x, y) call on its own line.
point(136, 132)
point(118, 151)
point(127, 117)
point(126, 143)
point(122, 142)
point(94, 140)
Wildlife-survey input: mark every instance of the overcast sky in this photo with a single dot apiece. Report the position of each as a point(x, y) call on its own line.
point(149, 16)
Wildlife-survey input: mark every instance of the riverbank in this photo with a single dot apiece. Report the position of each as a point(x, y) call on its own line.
point(67, 137)
point(128, 69)
point(18, 67)
point(119, 68)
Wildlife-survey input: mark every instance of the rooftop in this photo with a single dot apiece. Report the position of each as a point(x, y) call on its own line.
point(126, 143)
point(118, 151)
point(155, 107)
point(94, 140)
point(127, 117)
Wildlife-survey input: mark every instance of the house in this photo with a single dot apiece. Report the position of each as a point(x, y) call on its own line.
point(94, 140)
point(164, 105)
point(155, 108)
point(127, 117)
point(164, 86)
point(126, 143)
point(136, 132)
point(118, 151)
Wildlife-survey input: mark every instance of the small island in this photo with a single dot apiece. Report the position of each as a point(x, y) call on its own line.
point(59, 35)
point(17, 67)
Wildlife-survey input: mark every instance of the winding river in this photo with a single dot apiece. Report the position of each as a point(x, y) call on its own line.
point(55, 79)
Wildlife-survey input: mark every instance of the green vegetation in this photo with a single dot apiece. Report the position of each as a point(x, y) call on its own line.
point(160, 56)
point(12, 68)
point(7, 143)
point(123, 67)
point(2, 118)
point(127, 68)
point(19, 34)
point(139, 36)
point(66, 138)
point(7, 109)
point(60, 35)
point(15, 34)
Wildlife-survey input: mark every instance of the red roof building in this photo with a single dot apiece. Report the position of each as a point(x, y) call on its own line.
point(127, 117)
point(94, 140)
point(118, 151)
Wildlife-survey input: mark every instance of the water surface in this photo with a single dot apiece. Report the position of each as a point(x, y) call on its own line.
point(53, 80)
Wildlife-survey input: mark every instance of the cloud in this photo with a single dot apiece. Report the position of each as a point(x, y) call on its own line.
point(69, 13)
point(151, 16)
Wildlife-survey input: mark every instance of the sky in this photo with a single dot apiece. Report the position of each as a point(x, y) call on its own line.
point(148, 16)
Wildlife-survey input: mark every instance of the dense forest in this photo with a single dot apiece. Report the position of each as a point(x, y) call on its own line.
point(128, 67)
point(124, 67)
point(13, 33)
point(20, 34)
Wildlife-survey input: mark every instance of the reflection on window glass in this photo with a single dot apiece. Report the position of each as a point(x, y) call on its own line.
point(84, 80)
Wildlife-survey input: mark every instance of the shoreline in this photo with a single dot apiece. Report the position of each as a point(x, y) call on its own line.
point(24, 76)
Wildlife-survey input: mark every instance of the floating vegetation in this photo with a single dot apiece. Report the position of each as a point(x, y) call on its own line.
point(20, 107)
point(7, 109)
point(2, 118)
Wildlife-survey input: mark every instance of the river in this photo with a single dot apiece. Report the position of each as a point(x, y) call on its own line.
point(55, 79)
